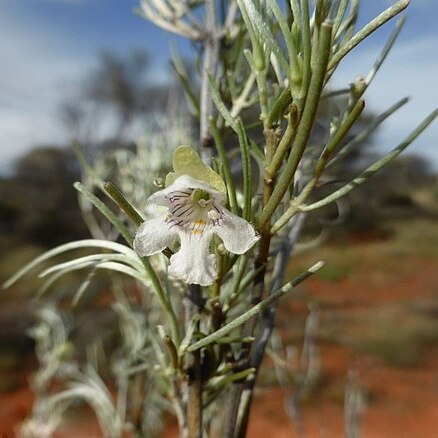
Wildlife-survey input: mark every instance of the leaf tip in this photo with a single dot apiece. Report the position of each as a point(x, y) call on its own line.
point(316, 267)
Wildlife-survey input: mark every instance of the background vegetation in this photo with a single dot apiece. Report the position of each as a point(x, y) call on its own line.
point(387, 231)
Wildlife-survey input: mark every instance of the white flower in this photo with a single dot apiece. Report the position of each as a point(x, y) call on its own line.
point(195, 214)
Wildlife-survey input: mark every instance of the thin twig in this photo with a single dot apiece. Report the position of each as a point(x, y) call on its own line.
point(267, 322)
point(256, 309)
point(211, 45)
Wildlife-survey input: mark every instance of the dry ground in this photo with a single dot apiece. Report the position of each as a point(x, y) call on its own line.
point(377, 303)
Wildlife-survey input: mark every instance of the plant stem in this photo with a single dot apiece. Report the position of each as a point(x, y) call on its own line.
point(304, 127)
point(307, 50)
point(208, 67)
point(255, 310)
point(194, 408)
point(267, 325)
point(194, 371)
point(283, 146)
point(220, 147)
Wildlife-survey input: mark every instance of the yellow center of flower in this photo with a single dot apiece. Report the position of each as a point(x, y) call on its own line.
point(198, 226)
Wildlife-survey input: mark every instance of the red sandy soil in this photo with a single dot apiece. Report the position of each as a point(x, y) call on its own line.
point(400, 402)
point(14, 406)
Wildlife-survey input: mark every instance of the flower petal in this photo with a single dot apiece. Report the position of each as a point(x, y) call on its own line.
point(183, 184)
point(153, 236)
point(193, 263)
point(236, 233)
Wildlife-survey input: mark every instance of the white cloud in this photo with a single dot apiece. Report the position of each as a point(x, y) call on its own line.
point(39, 70)
point(36, 75)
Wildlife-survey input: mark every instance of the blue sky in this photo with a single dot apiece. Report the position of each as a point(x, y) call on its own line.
point(47, 46)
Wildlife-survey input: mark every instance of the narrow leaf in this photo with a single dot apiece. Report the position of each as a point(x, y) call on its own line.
point(223, 110)
point(254, 310)
point(368, 29)
point(375, 167)
point(88, 243)
point(105, 211)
